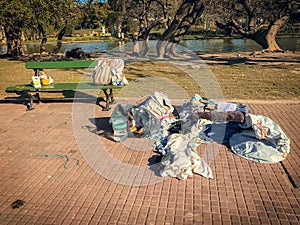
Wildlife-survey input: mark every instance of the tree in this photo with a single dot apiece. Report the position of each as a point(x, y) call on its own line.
point(64, 19)
point(94, 14)
point(37, 16)
point(149, 14)
point(113, 22)
point(186, 15)
point(153, 13)
point(119, 17)
point(14, 16)
point(140, 17)
point(41, 17)
point(258, 20)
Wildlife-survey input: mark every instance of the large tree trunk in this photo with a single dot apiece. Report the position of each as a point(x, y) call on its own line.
point(59, 40)
point(265, 38)
point(166, 36)
point(147, 47)
point(185, 25)
point(271, 35)
point(148, 10)
point(9, 37)
point(14, 41)
point(44, 39)
point(136, 45)
point(185, 17)
point(144, 35)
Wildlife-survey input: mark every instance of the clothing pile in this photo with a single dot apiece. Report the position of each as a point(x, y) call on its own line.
point(178, 132)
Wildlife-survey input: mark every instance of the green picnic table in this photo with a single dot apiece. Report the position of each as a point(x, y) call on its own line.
point(26, 90)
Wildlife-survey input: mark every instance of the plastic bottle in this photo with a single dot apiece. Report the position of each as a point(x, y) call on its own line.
point(119, 124)
point(36, 82)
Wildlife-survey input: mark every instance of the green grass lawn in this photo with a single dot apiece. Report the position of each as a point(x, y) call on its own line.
point(259, 82)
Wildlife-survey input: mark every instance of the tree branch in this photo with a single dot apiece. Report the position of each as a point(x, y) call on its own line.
point(239, 29)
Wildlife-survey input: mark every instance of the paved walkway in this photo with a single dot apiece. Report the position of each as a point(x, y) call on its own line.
point(242, 192)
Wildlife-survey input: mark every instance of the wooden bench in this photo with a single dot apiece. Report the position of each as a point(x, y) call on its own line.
point(26, 90)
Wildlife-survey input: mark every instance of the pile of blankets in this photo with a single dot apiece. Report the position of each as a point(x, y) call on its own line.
point(177, 132)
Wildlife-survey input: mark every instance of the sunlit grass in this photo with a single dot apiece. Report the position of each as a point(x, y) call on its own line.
point(236, 81)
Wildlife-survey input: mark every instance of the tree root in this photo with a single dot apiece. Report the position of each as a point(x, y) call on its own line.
point(256, 53)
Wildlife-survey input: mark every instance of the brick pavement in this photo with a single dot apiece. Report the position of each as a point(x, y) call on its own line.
point(242, 192)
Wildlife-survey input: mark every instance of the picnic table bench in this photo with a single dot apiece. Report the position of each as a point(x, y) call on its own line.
point(26, 90)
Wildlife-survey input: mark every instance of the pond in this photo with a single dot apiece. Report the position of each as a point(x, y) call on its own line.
point(200, 45)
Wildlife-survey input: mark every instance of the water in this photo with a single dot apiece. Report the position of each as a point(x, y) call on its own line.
point(237, 45)
point(201, 45)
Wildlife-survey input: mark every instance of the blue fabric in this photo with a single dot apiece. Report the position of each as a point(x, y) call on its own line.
point(246, 145)
point(265, 142)
point(221, 132)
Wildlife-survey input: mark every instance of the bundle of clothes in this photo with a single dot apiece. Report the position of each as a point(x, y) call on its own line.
point(109, 71)
point(178, 132)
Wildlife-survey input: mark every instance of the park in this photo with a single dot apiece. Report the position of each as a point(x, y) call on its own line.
point(60, 157)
